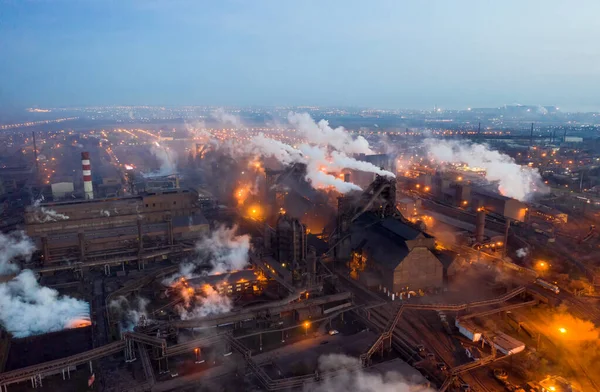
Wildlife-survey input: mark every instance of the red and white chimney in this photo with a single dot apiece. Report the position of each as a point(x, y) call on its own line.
point(87, 175)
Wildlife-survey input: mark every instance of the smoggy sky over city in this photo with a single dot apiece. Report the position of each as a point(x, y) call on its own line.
point(388, 54)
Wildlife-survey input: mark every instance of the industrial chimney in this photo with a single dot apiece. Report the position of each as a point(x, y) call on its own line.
point(87, 175)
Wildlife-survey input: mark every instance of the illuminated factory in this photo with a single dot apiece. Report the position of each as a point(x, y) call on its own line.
point(101, 229)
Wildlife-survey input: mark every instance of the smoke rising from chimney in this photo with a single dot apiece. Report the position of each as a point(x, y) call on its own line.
point(325, 151)
point(167, 160)
point(323, 135)
point(514, 180)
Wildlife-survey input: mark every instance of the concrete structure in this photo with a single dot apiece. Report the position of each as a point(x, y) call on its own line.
point(82, 229)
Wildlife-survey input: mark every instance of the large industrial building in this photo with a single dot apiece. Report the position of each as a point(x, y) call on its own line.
point(401, 257)
point(85, 230)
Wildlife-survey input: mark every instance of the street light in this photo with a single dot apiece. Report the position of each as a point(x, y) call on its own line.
point(306, 325)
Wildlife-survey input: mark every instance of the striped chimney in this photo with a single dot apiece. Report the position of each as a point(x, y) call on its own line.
point(87, 175)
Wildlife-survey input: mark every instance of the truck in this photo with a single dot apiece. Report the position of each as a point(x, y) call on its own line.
point(547, 285)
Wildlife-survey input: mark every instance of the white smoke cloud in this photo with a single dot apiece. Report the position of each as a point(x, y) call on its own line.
point(12, 246)
point(514, 180)
point(349, 376)
point(44, 214)
point(131, 313)
point(26, 308)
point(322, 134)
point(222, 251)
point(342, 161)
point(522, 252)
point(208, 303)
point(325, 151)
point(227, 118)
point(167, 159)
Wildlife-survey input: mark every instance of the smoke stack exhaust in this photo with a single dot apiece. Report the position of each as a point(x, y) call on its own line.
point(87, 176)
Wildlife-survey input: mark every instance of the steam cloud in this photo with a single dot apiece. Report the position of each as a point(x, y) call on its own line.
point(514, 180)
point(351, 377)
point(45, 214)
point(167, 160)
point(26, 308)
point(226, 118)
point(322, 134)
point(221, 251)
point(522, 252)
point(210, 302)
point(326, 152)
point(131, 313)
point(14, 245)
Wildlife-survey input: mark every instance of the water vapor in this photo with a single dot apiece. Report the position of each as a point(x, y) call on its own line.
point(227, 118)
point(349, 376)
point(167, 160)
point(325, 151)
point(26, 308)
point(514, 180)
point(45, 214)
point(322, 134)
point(12, 246)
point(131, 313)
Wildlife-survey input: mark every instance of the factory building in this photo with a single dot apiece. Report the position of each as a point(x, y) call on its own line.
point(500, 205)
point(402, 258)
point(83, 230)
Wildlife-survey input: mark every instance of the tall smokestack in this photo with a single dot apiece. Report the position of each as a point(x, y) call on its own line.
point(531, 137)
point(87, 175)
point(480, 225)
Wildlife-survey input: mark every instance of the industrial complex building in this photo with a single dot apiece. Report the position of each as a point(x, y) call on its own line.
point(94, 229)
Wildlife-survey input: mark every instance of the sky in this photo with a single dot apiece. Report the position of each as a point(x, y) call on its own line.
point(381, 54)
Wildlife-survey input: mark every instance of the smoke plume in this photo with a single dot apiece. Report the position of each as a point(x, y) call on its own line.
point(131, 313)
point(45, 214)
point(226, 118)
point(221, 251)
point(167, 160)
point(325, 152)
point(12, 246)
point(26, 308)
point(522, 252)
point(207, 303)
point(322, 134)
point(514, 180)
point(349, 376)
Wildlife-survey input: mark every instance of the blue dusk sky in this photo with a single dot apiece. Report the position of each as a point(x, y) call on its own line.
point(387, 54)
